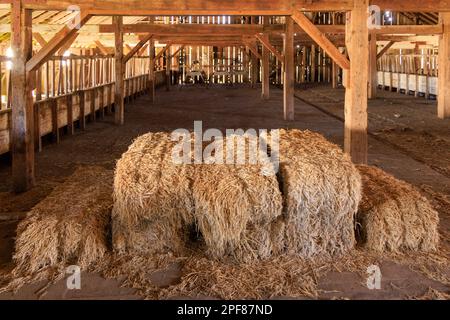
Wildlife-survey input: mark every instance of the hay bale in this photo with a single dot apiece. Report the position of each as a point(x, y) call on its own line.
point(153, 202)
point(322, 189)
point(158, 204)
point(235, 206)
point(394, 216)
point(68, 226)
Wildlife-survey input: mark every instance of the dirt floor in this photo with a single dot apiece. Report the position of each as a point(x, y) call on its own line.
point(407, 140)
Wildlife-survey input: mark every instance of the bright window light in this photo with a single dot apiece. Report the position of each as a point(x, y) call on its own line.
point(9, 52)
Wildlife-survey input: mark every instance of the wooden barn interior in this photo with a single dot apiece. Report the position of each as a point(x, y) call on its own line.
point(80, 81)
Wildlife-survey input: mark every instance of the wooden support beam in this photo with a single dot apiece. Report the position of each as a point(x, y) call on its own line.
point(321, 39)
point(159, 55)
point(57, 41)
point(373, 72)
point(313, 63)
point(137, 47)
point(264, 39)
point(22, 117)
point(68, 43)
point(195, 7)
point(334, 75)
point(355, 137)
point(231, 7)
point(101, 47)
point(142, 51)
point(385, 49)
point(168, 69)
point(408, 29)
point(40, 39)
point(265, 69)
point(177, 51)
point(289, 71)
point(127, 48)
point(444, 68)
point(119, 106)
point(226, 30)
point(252, 47)
point(151, 73)
point(413, 6)
point(195, 29)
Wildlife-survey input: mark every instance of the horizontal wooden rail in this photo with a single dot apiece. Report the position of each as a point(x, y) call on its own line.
point(75, 108)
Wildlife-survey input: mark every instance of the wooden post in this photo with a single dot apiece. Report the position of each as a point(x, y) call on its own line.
point(265, 67)
point(313, 63)
point(245, 62)
point(37, 128)
point(357, 34)
point(168, 68)
point(22, 117)
point(151, 72)
point(255, 70)
point(70, 127)
point(93, 115)
point(82, 118)
point(373, 72)
point(289, 70)
point(303, 67)
point(55, 122)
point(265, 73)
point(444, 68)
point(333, 75)
point(119, 106)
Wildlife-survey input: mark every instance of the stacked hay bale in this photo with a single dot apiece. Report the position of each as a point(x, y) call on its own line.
point(236, 204)
point(153, 204)
point(71, 225)
point(322, 189)
point(237, 208)
point(394, 216)
point(158, 203)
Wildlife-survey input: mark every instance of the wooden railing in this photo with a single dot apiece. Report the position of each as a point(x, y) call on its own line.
point(70, 94)
point(409, 73)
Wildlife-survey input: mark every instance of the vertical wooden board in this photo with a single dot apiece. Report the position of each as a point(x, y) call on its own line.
point(82, 116)
point(55, 122)
point(69, 103)
point(373, 72)
point(265, 73)
point(93, 114)
point(313, 63)
point(101, 103)
point(109, 89)
point(37, 127)
point(152, 70)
